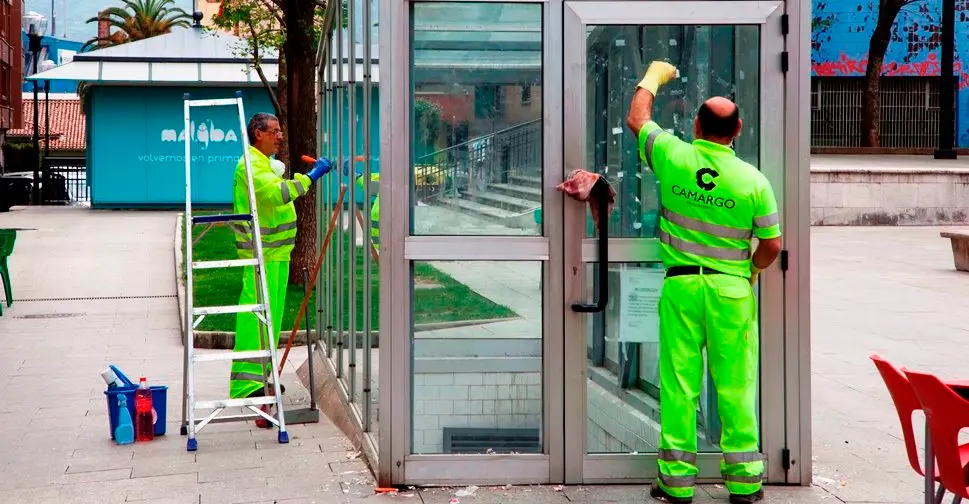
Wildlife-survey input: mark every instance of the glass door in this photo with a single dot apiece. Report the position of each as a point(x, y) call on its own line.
point(730, 49)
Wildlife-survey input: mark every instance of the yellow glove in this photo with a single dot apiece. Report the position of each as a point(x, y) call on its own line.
point(658, 74)
point(754, 274)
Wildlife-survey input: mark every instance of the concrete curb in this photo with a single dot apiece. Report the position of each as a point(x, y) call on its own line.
point(180, 285)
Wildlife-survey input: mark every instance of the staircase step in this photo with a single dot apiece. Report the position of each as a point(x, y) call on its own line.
point(489, 212)
point(533, 182)
point(518, 191)
point(509, 203)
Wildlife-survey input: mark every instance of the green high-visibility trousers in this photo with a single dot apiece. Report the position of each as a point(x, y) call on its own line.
point(247, 374)
point(719, 312)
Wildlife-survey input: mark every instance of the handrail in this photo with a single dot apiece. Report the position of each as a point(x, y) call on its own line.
point(480, 138)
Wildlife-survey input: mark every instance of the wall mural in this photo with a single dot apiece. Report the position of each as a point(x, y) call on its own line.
point(841, 30)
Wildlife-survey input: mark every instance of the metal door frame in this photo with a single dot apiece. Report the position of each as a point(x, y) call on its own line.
point(786, 430)
point(399, 249)
point(582, 467)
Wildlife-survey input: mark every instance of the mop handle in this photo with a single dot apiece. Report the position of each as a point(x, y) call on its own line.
point(316, 270)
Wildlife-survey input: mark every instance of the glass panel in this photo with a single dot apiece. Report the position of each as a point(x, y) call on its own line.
point(623, 357)
point(712, 60)
point(477, 118)
point(477, 357)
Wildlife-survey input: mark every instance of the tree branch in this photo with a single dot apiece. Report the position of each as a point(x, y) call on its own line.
point(257, 63)
point(269, 4)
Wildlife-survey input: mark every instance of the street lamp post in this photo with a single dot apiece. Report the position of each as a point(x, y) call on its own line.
point(35, 28)
point(947, 86)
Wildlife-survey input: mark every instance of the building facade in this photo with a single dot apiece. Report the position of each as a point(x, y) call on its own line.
point(841, 32)
point(55, 50)
point(11, 66)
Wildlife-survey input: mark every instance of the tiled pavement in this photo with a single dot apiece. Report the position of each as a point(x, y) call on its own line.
point(94, 288)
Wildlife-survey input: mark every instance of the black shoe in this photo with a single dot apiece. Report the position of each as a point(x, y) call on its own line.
point(659, 494)
point(747, 499)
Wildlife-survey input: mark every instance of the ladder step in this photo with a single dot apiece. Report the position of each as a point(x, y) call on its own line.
point(217, 310)
point(212, 103)
point(230, 355)
point(205, 219)
point(232, 403)
point(229, 263)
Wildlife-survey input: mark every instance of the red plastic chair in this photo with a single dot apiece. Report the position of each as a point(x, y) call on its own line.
point(906, 403)
point(946, 413)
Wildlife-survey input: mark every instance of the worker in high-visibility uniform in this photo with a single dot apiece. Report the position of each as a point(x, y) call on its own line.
point(374, 207)
point(374, 194)
point(712, 204)
point(277, 224)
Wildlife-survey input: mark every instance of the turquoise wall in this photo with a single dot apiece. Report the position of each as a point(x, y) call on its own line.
point(136, 149)
point(358, 132)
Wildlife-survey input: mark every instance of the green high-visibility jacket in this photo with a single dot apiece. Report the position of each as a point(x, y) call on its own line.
point(375, 207)
point(713, 203)
point(274, 206)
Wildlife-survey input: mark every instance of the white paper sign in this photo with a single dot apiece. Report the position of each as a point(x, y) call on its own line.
point(640, 290)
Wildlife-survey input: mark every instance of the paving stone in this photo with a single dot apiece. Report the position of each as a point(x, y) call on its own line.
point(186, 499)
point(500, 495)
point(162, 466)
point(95, 476)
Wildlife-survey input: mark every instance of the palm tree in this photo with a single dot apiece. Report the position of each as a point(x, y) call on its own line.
point(138, 20)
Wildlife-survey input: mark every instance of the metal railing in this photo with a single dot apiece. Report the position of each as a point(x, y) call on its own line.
point(477, 163)
point(909, 112)
point(64, 181)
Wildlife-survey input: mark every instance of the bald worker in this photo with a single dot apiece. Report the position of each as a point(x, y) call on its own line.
point(713, 203)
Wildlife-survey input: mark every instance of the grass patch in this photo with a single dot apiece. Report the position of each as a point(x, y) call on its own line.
point(438, 298)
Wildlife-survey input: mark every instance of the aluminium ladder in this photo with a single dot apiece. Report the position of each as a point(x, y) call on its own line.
point(194, 315)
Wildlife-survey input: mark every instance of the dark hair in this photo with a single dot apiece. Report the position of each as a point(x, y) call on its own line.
point(716, 125)
point(259, 122)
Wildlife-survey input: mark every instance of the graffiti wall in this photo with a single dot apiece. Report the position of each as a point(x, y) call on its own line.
point(841, 30)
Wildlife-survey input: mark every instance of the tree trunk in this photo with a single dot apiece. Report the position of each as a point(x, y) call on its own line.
point(301, 124)
point(282, 95)
point(877, 47)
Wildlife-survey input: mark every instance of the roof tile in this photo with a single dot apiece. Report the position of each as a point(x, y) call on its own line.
point(67, 124)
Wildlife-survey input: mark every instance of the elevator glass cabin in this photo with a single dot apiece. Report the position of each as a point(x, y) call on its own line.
point(461, 316)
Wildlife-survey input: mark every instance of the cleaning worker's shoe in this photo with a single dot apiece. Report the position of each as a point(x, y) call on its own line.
point(262, 423)
point(748, 498)
point(659, 494)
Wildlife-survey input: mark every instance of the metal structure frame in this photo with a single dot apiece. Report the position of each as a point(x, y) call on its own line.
point(565, 252)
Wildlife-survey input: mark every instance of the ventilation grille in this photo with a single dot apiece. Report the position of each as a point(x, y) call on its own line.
point(909, 112)
point(485, 440)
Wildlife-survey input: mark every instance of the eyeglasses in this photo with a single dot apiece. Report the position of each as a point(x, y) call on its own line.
point(274, 131)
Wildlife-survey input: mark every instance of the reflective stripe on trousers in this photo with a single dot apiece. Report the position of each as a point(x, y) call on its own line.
point(743, 472)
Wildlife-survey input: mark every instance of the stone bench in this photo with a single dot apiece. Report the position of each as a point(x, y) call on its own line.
point(960, 247)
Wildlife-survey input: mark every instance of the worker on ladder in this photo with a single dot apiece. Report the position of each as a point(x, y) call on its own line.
point(277, 221)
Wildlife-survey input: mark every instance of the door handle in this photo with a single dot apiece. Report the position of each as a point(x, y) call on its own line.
point(600, 191)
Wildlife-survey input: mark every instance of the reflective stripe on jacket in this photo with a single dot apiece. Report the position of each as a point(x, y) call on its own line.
point(712, 202)
point(274, 205)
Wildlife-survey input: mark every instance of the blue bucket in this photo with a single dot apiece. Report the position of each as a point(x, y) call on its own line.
point(159, 402)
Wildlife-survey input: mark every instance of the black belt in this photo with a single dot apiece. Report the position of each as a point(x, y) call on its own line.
point(692, 270)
